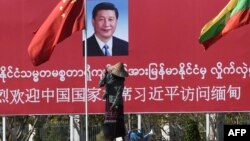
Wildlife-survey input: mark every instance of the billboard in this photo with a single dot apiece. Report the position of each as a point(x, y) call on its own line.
point(169, 70)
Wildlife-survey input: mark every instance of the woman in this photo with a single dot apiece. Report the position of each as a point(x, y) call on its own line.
point(113, 79)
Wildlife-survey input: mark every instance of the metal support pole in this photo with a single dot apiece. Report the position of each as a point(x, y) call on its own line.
point(71, 125)
point(4, 128)
point(139, 121)
point(207, 127)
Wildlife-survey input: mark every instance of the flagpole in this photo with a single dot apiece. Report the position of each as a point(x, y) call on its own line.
point(86, 90)
point(86, 74)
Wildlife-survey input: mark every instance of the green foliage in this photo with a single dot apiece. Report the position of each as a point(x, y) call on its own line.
point(100, 136)
point(52, 128)
point(192, 131)
point(184, 126)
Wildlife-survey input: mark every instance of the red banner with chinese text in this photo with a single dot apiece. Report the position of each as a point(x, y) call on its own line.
point(169, 70)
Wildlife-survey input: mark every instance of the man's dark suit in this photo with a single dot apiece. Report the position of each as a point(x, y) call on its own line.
point(120, 47)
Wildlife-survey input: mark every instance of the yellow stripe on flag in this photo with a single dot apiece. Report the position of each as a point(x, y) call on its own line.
point(225, 12)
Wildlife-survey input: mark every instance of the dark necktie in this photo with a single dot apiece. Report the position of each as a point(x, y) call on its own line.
point(105, 50)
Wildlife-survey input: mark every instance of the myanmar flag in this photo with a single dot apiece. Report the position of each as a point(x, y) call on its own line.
point(234, 15)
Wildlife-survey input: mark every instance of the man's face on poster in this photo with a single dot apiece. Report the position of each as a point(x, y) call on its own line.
point(105, 24)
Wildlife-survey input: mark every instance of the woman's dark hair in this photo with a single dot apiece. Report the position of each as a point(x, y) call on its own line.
point(104, 6)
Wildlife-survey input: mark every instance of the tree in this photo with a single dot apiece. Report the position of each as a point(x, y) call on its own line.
point(192, 131)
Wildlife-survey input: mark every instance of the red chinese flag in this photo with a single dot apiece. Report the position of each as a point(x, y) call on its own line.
point(66, 18)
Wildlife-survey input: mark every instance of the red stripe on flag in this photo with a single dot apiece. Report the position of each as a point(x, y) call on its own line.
point(239, 19)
